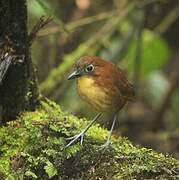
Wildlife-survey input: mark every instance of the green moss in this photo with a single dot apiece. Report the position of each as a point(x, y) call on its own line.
point(33, 147)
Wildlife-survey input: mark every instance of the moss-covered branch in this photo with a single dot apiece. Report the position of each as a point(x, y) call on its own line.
point(33, 147)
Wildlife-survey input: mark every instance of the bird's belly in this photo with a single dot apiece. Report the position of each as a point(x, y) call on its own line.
point(94, 95)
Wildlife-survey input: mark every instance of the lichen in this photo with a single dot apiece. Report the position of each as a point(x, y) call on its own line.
point(33, 147)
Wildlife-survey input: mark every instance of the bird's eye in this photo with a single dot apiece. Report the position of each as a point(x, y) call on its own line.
point(89, 68)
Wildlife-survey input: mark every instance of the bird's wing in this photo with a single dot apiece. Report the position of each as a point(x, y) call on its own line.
point(112, 76)
point(125, 87)
point(116, 77)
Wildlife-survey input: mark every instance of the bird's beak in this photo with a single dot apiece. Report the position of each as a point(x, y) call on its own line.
point(75, 74)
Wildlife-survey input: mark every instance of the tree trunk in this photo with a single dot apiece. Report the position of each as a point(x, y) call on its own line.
point(18, 89)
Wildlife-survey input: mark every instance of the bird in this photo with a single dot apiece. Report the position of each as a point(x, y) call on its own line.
point(104, 86)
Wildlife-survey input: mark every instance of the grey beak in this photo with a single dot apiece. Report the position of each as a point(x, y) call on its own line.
point(74, 74)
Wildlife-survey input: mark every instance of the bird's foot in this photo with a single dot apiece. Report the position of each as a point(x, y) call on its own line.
point(75, 138)
point(105, 146)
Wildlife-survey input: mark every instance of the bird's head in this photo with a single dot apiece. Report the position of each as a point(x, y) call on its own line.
point(86, 66)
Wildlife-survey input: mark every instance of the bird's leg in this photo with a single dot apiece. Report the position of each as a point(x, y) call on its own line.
point(81, 135)
point(106, 144)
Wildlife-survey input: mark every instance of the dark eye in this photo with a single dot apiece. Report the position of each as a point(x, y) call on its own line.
point(89, 68)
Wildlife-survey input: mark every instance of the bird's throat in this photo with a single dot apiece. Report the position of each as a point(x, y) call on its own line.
point(90, 92)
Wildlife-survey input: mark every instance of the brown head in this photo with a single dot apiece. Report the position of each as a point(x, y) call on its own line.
point(87, 66)
point(102, 83)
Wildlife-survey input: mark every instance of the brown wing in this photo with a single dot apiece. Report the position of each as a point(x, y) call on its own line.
point(108, 74)
point(124, 86)
point(115, 77)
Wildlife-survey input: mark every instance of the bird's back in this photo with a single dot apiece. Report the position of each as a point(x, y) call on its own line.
point(113, 76)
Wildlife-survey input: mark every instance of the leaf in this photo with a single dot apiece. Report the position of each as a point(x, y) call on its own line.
point(50, 169)
point(30, 174)
point(46, 7)
point(35, 9)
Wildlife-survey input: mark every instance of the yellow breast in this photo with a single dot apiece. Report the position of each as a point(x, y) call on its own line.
point(93, 94)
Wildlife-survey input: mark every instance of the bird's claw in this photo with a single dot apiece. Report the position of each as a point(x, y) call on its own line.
point(70, 138)
point(75, 138)
point(105, 146)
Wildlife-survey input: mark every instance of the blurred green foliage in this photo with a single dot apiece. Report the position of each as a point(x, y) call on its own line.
point(155, 53)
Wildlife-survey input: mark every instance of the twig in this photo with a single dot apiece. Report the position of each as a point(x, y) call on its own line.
point(40, 24)
point(121, 51)
point(102, 16)
point(168, 20)
point(84, 21)
point(137, 59)
point(89, 20)
point(147, 2)
point(78, 23)
point(50, 12)
point(109, 27)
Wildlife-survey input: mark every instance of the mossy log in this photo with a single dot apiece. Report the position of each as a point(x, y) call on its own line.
point(32, 147)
